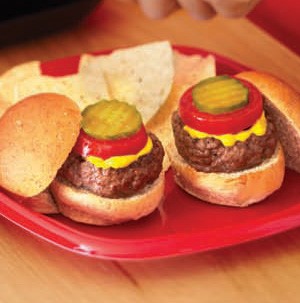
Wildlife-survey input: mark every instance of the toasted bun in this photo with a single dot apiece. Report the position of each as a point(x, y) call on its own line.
point(86, 207)
point(283, 104)
point(36, 136)
point(231, 189)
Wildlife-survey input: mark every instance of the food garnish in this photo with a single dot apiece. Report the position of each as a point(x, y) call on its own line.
point(112, 134)
point(230, 122)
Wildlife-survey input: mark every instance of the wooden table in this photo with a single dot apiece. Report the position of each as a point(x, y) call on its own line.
point(267, 270)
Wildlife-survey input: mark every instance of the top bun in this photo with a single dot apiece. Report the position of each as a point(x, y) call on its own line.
point(36, 136)
point(283, 104)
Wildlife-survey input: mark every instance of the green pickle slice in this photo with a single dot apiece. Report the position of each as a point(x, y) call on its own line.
point(220, 94)
point(111, 119)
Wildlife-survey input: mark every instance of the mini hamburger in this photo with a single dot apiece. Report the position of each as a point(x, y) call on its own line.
point(226, 146)
point(114, 172)
point(107, 172)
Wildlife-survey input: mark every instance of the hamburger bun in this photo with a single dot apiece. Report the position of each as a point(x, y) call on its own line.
point(282, 102)
point(36, 136)
point(232, 189)
point(86, 207)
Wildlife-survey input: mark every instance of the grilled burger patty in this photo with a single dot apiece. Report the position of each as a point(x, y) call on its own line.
point(210, 155)
point(110, 182)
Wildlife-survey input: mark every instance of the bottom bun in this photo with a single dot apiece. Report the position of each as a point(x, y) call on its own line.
point(232, 189)
point(86, 207)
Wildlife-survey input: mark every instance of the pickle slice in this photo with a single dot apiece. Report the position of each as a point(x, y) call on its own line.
point(109, 120)
point(220, 94)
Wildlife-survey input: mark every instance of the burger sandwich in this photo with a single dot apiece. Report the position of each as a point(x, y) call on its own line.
point(100, 167)
point(114, 173)
point(232, 136)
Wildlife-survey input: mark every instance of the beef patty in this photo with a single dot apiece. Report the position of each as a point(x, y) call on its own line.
point(210, 155)
point(111, 182)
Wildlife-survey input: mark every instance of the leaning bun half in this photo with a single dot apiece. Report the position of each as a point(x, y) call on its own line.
point(85, 207)
point(232, 189)
point(282, 102)
point(36, 136)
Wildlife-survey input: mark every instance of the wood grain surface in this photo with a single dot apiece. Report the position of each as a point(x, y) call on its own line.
point(267, 270)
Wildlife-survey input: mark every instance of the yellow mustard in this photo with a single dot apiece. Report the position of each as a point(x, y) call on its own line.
point(120, 161)
point(259, 129)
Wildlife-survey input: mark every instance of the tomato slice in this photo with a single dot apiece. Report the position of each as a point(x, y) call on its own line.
point(89, 146)
point(226, 123)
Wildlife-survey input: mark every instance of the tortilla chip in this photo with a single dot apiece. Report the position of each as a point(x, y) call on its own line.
point(189, 70)
point(39, 84)
point(74, 88)
point(25, 79)
point(92, 79)
point(140, 75)
point(70, 86)
point(21, 71)
point(14, 75)
point(3, 106)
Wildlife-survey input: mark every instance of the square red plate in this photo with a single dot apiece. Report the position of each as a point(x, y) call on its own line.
point(186, 225)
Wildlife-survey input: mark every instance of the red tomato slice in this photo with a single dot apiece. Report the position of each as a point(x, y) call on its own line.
point(89, 146)
point(220, 124)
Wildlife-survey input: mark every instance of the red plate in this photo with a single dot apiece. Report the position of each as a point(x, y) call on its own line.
point(186, 226)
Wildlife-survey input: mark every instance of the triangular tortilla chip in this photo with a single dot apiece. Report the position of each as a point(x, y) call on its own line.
point(12, 76)
point(70, 86)
point(92, 79)
point(140, 75)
